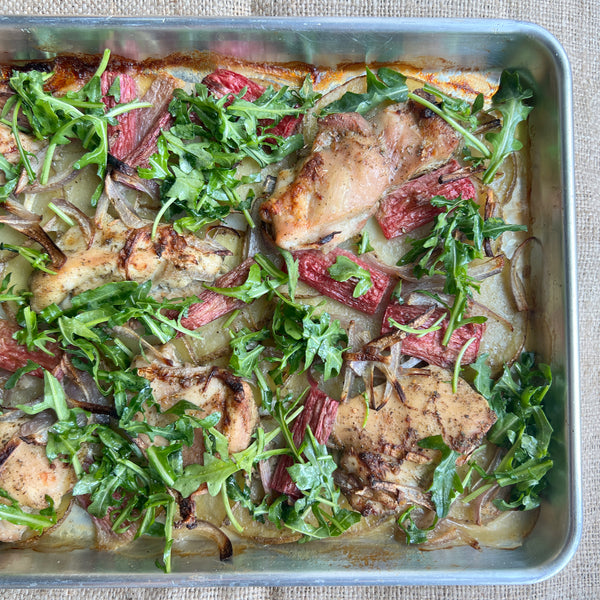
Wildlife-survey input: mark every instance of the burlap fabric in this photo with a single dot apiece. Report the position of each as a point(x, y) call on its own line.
point(576, 24)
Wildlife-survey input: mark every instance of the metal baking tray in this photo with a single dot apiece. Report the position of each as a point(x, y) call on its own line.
point(487, 45)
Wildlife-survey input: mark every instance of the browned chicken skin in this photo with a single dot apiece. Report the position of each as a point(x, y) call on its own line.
point(334, 191)
point(211, 389)
point(174, 262)
point(353, 162)
point(416, 140)
point(382, 466)
point(28, 477)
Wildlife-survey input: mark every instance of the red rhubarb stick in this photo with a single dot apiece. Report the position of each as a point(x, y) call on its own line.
point(213, 305)
point(409, 206)
point(13, 355)
point(319, 414)
point(121, 137)
point(313, 269)
point(429, 347)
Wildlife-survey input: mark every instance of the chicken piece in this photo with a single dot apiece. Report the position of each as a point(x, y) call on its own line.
point(353, 162)
point(28, 477)
point(211, 389)
point(382, 468)
point(334, 191)
point(416, 140)
point(175, 263)
point(430, 408)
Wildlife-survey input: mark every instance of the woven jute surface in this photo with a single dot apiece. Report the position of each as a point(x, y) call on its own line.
point(576, 24)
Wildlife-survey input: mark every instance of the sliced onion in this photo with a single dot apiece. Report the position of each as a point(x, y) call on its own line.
point(460, 174)
point(212, 532)
point(516, 282)
point(35, 430)
point(85, 224)
point(150, 187)
point(83, 392)
point(124, 210)
point(28, 224)
point(101, 210)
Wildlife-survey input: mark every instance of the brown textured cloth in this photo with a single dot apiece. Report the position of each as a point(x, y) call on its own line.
point(576, 24)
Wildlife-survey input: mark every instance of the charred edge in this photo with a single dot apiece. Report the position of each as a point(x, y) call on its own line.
point(121, 166)
point(234, 383)
point(269, 185)
point(327, 238)
point(133, 239)
point(399, 391)
point(426, 113)
point(490, 206)
point(366, 355)
point(97, 409)
point(8, 449)
point(187, 510)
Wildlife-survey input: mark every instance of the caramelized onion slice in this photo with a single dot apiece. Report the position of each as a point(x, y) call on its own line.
point(28, 224)
point(85, 224)
point(129, 217)
point(517, 284)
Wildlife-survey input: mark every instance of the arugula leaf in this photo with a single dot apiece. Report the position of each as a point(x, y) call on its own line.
point(301, 336)
point(509, 101)
point(446, 483)
point(198, 157)
point(292, 272)
point(11, 512)
point(443, 252)
point(11, 177)
point(27, 368)
point(414, 535)
point(365, 245)
point(389, 85)
point(35, 258)
point(247, 351)
point(522, 427)
point(344, 269)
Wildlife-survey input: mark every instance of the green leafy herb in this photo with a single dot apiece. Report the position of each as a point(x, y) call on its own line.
point(14, 378)
point(344, 269)
point(11, 512)
point(11, 177)
point(414, 535)
point(78, 114)
point(509, 101)
point(198, 157)
point(446, 483)
point(301, 336)
point(247, 351)
point(522, 427)
point(364, 245)
point(389, 85)
point(443, 252)
point(35, 258)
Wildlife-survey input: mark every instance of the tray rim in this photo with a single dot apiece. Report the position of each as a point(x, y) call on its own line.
point(387, 577)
